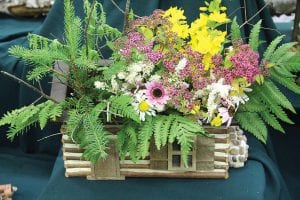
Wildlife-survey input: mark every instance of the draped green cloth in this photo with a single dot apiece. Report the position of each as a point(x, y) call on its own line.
point(36, 168)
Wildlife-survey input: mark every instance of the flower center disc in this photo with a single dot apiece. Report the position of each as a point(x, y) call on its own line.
point(157, 93)
point(144, 106)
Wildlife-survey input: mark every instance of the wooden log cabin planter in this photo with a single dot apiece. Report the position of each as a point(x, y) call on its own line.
point(211, 157)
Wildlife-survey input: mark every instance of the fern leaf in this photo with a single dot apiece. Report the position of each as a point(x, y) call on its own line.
point(133, 141)
point(122, 105)
point(122, 143)
point(270, 119)
point(286, 82)
point(44, 114)
point(254, 36)
point(95, 142)
point(273, 92)
point(293, 64)
point(72, 29)
point(271, 48)
point(144, 137)
point(281, 51)
point(274, 107)
point(157, 131)
point(252, 122)
point(235, 30)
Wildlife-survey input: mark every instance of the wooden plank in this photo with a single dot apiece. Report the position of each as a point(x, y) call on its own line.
point(72, 156)
point(77, 164)
point(72, 148)
point(221, 147)
point(221, 165)
point(221, 156)
point(77, 172)
point(66, 139)
point(217, 173)
point(144, 164)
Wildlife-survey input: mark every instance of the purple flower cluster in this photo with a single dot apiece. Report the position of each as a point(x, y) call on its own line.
point(245, 64)
point(136, 41)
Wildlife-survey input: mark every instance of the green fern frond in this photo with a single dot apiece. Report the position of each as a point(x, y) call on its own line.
point(121, 105)
point(133, 141)
point(72, 30)
point(144, 137)
point(274, 107)
point(286, 82)
point(235, 30)
point(281, 51)
point(293, 64)
point(74, 124)
point(272, 91)
point(252, 122)
point(254, 36)
point(95, 140)
point(122, 143)
point(271, 48)
point(158, 125)
point(270, 119)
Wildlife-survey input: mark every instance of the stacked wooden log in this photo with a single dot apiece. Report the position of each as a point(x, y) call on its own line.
point(7, 191)
point(229, 150)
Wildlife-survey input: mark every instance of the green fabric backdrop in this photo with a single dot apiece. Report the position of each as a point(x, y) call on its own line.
point(260, 179)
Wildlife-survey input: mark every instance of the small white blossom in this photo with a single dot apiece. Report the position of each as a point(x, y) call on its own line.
point(114, 84)
point(155, 77)
point(99, 85)
point(181, 65)
point(122, 75)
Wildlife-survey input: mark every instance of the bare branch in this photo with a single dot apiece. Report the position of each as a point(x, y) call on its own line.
point(13, 77)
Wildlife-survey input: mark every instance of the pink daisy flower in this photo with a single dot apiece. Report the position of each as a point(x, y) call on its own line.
point(156, 93)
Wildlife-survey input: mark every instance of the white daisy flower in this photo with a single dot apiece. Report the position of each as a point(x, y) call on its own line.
point(141, 105)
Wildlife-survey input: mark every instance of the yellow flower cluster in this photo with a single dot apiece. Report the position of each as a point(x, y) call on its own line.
point(178, 20)
point(203, 33)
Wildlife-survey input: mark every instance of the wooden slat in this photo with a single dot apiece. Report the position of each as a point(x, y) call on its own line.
point(221, 165)
point(221, 147)
point(72, 156)
point(217, 173)
point(221, 156)
point(143, 164)
point(77, 164)
point(72, 148)
point(77, 172)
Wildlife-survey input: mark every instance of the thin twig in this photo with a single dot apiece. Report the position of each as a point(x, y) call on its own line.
point(258, 12)
point(37, 100)
point(234, 11)
point(126, 16)
point(13, 77)
point(120, 9)
point(40, 86)
point(49, 136)
point(271, 29)
point(245, 10)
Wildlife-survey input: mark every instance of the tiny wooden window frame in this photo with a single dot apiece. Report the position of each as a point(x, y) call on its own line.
point(181, 167)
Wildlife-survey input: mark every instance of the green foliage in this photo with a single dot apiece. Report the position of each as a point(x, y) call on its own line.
point(235, 30)
point(20, 120)
point(254, 36)
point(95, 140)
point(253, 123)
point(271, 48)
point(121, 105)
point(72, 29)
point(172, 128)
point(114, 69)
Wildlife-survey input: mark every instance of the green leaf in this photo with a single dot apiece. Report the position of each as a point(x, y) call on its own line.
point(271, 48)
point(235, 30)
point(254, 36)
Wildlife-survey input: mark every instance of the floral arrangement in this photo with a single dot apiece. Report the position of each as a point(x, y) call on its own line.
point(165, 79)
